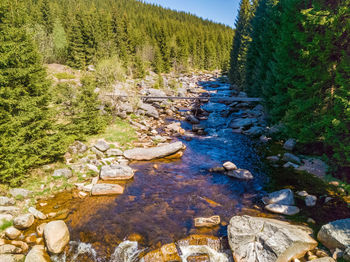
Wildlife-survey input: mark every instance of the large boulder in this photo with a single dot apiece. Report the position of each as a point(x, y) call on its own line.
point(37, 254)
point(116, 172)
point(106, 189)
point(335, 234)
point(283, 197)
point(12, 233)
point(24, 221)
point(267, 240)
point(56, 236)
point(154, 152)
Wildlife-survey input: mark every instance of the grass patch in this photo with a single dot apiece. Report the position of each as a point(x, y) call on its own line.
point(64, 75)
point(121, 132)
point(5, 224)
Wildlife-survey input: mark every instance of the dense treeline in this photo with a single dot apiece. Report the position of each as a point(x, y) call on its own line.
point(38, 120)
point(298, 60)
point(82, 32)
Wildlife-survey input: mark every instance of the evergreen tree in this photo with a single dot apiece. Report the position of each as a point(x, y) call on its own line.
point(27, 138)
point(240, 43)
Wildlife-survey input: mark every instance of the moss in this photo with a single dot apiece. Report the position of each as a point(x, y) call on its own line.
point(64, 75)
point(5, 224)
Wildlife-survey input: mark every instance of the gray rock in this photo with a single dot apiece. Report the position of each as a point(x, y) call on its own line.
point(114, 152)
point(335, 234)
point(12, 233)
point(290, 165)
point(314, 166)
point(6, 201)
point(106, 189)
point(283, 209)
point(149, 110)
point(242, 94)
point(101, 145)
point(310, 200)
point(192, 119)
point(290, 144)
point(9, 210)
point(288, 157)
point(116, 172)
point(154, 152)
point(99, 154)
point(254, 131)
point(11, 258)
point(64, 172)
point(241, 174)
point(10, 249)
point(36, 213)
point(267, 240)
point(56, 236)
point(78, 148)
point(125, 107)
point(37, 254)
point(282, 197)
point(23, 221)
point(174, 127)
point(243, 122)
point(15, 192)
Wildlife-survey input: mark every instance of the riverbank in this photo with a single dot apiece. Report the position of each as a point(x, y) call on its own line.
point(159, 204)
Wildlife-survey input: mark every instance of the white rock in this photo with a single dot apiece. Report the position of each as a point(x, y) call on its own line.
point(114, 152)
point(106, 189)
point(101, 145)
point(12, 233)
point(116, 172)
point(64, 172)
point(15, 192)
point(6, 201)
point(36, 213)
point(267, 240)
point(56, 236)
point(37, 254)
point(229, 166)
point(23, 221)
point(310, 200)
point(283, 197)
point(302, 193)
point(335, 234)
point(283, 209)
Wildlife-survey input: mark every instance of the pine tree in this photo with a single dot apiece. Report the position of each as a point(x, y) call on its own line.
point(27, 138)
point(47, 18)
point(76, 55)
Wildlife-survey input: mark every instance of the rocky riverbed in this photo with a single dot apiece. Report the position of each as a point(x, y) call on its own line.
point(202, 183)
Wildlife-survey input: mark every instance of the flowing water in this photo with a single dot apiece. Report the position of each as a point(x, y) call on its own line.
point(160, 203)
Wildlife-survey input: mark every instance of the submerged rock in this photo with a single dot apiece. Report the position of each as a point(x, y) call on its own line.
point(283, 209)
point(229, 166)
point(267, 240)
point(56, 236)
point(283, 197)
point(106, 189)
point(335, 234)
point(243, 122)
point(154, 152)
point(36, 213)
point(241, 174)
point(116, 172)
point(206, 222)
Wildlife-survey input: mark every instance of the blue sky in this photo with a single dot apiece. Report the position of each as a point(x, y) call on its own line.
point(222, 11)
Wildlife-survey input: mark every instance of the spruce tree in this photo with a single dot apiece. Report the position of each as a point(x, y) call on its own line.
point(27, 138)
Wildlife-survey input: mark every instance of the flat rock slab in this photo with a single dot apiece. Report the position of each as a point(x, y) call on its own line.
point(267, 240)
point(241, 174)
point(283, 209)
point(207, 221)
point(154, 152)
point(9, 210)
point(101, 145)
point(106, 189)
point(282, 197)
point(335, 234)
point(116, 172)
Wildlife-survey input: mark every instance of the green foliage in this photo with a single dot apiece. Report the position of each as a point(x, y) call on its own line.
point(27, 137)
point(60, 41)
point(5, 224)
point(298, 61)
point(64, 75)
point(109, 71)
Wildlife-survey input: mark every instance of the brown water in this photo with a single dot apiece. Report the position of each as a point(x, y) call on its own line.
point(158, 206)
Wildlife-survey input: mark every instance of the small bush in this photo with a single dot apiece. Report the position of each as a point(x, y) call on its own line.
point(64, 75)
point(109, 71)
